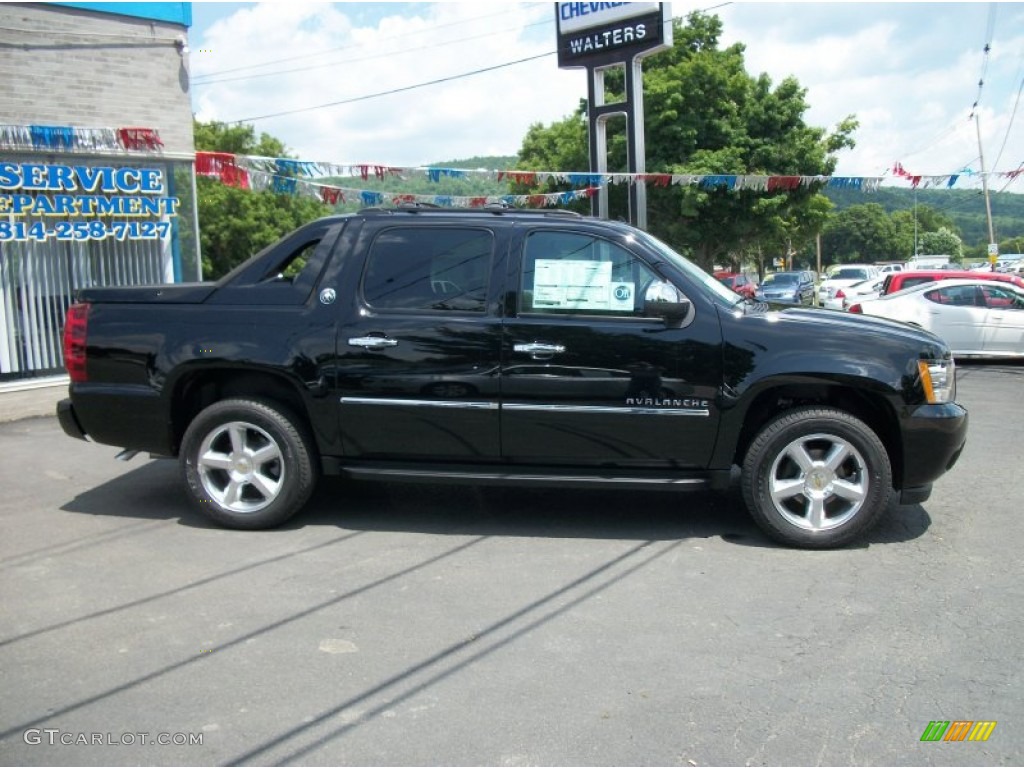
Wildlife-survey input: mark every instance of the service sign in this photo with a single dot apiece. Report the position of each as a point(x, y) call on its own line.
point(604, 33)
point(42, 201)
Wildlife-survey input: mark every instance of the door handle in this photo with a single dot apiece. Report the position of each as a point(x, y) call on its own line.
point(372, 342)
point(539, 351)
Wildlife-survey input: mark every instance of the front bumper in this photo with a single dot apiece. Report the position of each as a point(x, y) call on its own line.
point(934, 436)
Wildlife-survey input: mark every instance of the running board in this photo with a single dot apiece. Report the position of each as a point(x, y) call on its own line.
point(524, 477)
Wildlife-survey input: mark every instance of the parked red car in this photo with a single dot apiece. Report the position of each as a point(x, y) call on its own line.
point(740, 283)
point(900, 280)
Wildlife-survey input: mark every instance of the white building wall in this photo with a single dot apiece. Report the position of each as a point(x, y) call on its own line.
point(64, 66)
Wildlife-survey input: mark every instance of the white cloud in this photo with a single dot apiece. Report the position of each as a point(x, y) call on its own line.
point(483, 114)
point(907, 71)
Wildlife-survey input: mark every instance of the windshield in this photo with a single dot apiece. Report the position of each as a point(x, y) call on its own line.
point(689, 269)
point(781, 278)
point(851, 274)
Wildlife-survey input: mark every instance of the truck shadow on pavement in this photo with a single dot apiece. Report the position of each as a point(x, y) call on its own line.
point(153, 491)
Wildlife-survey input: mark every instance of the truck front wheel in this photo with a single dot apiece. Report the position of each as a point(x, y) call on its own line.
point(247, 463)
point(816, 478)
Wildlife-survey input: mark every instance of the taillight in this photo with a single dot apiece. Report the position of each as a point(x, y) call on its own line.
point(839, 294)
point(75, 328)
point(856, 309)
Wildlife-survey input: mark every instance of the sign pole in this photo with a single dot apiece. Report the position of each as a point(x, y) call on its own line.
point(598, 36)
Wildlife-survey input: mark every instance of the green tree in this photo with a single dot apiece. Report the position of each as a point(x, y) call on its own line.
point(236, 223)
point(1012, 245)
point(216, 136)
point(931, 220)
point(861, 233)
point(913, 223)
point(908, 233)
point(943, 242)
point(705, 115)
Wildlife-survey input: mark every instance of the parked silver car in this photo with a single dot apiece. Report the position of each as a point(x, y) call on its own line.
point(795, 287)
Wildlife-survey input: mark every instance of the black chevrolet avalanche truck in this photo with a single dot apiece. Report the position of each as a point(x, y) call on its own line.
point(514, 347)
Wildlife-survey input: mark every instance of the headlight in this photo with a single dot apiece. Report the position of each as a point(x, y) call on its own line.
point(938, 377)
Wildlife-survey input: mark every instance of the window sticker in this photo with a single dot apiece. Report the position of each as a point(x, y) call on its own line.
point(579, 284)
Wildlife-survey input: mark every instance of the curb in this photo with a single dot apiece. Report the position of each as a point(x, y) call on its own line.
point(30, 399)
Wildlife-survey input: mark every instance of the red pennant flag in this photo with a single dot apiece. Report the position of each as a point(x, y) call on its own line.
point(139, 138)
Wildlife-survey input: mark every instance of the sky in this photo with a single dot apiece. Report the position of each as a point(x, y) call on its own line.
point(912, 74)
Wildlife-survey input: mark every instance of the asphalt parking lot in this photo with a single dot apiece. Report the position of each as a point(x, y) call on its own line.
point(428, 625)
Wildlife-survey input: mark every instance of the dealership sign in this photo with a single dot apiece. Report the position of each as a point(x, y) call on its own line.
point(603, 33)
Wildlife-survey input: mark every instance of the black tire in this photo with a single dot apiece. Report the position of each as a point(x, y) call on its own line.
point(838, 494)
point(248, 463)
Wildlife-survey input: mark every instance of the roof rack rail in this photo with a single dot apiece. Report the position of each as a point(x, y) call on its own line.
point(489, 209)
point(416, 204)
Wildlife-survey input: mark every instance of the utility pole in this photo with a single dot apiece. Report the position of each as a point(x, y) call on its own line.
point(993, 246)
point(915, 225)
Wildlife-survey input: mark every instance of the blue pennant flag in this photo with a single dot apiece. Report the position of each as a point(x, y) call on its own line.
point(845, 182)
point(284, 186)
point(288, 167)
point(709, 182)
point(52, 136)
point(586, 179)
point(435, 174)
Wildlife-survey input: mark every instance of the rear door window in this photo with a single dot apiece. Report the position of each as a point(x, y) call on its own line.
point(429, 268)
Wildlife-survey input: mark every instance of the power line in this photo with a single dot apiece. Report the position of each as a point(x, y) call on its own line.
point(395, 90)
point(356, 60)
point(984, 62)
point(205, 78)
point(953, 128)
point(1009, 126)
point(949, 131)
point(410, 87)
point(347, 47)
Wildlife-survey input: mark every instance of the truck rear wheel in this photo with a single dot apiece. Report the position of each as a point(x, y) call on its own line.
point(816, 478)
point(247, 463)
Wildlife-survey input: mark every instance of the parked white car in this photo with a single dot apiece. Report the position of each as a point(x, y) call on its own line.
point(848, 274)
point(865, 289)
point(977, 318)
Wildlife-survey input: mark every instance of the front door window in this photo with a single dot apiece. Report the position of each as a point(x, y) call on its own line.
point(586, 376)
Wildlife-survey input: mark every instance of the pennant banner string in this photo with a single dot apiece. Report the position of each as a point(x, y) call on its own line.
point(68, 138)
point(288, 176)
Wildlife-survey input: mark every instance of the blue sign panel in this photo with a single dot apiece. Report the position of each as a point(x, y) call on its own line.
point(175, 13)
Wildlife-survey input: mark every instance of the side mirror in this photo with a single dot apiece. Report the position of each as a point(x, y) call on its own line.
point(664, 300)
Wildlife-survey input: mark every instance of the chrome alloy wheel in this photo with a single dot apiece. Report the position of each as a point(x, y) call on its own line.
point(241, 467)
point(818, 482)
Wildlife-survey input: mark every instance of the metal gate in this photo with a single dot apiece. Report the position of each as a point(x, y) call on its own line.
point(38, 281)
